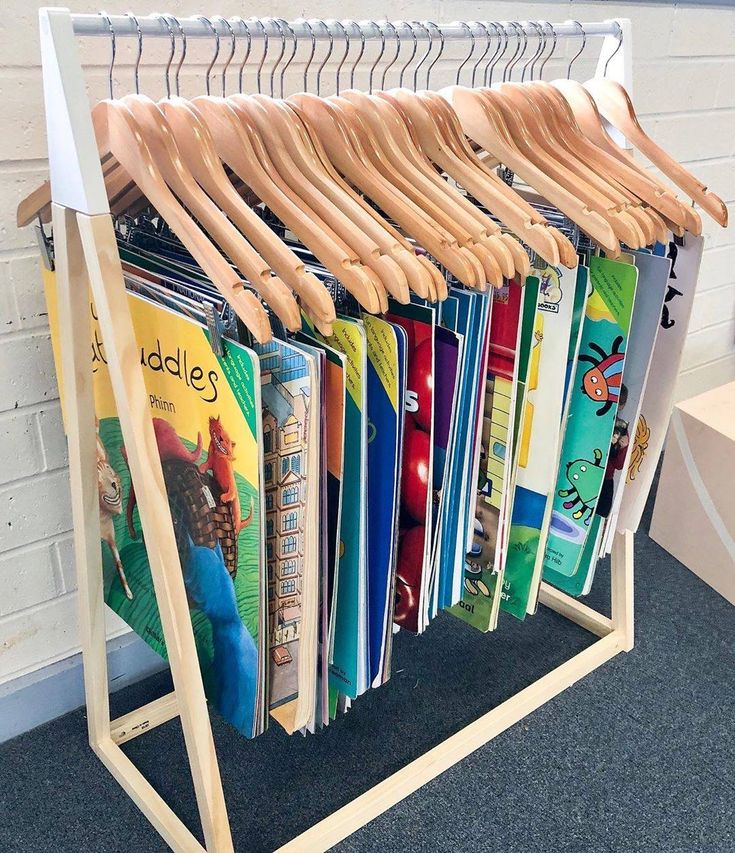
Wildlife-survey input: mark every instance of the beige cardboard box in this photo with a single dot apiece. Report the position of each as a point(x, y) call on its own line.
point(694, 515)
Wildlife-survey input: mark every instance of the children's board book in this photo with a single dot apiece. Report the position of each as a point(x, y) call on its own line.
point(289, 384)
point(414, 550)
point(478, 605)
point(349, 660)
point(647, 439)
point(383, 451)
point(539, 439)
point(206, 421)
point(593, 403)
point(653, 277)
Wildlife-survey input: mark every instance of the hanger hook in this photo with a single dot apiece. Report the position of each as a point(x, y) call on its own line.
point(348, 43)
point(136, 69)
point(294, 41)
point(310, 58)
point(249, 37)
point(430, 44)
point(233, 43)
point(531, 61)
point(360, 54)
point(520, 50)
point(619, 45)
point(499, 54)
point(261, 62)
point(272, 76)
point(551, 52)
point(493, 58)
point(164, 20)
point(113, 47)
point(413, 51)
point(472, 48)
point(211, 26)
point(326, 57)
point(378, 57)
point(183, 54)
point(488, 42)
point(581, 49)
point(441, 49)
point(398, 50)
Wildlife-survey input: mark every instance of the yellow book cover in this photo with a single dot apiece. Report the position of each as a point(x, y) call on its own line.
point(207, 422)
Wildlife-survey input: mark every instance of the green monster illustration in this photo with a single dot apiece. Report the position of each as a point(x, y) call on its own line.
point(586, 480)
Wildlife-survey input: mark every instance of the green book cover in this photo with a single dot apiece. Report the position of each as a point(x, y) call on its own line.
point(594, 394)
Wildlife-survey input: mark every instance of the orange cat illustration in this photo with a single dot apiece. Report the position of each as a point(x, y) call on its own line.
point(219, 461)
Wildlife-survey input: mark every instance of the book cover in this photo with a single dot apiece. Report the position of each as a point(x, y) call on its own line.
point(593, 403)
point(539, 438)
point(647, 438)
point(653, 277)
point(478, 605)
point(413, 567)
point(206, 423)
point(382, 479)
point(348, 664)
point(290, 445)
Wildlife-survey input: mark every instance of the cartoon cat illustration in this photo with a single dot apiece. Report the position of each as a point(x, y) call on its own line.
point(110, 503)
point(219, 461)
point(170, 446)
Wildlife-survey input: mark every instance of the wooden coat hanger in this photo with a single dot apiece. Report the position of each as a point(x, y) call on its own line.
point(505, 200)
point(199, 152)
point(532, 144)
point(410, 180)
point(557, 136)
point(467, 267)
point(419, 129)
point(385, 118)
point(117, 132)
point(385, 267)
point(616, 107)
point(591, 124)
point(483, 122)
point(235, 146)
point(303, 149)
point(345, 150)
point(157, 134)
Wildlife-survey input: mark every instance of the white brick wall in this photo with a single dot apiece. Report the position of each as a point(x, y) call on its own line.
point(684, 74)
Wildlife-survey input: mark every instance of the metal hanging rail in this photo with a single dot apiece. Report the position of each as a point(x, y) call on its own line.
point(196, 27)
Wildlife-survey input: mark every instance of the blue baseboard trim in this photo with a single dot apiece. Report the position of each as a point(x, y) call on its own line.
point(57, 689)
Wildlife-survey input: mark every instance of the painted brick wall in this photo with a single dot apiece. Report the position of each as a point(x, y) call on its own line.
point(684, 73)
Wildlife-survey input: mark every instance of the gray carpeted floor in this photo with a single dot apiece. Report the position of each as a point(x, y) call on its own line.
point(637, 756)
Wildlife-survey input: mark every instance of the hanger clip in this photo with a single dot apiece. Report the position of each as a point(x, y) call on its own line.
point(215, 330)
point(45, 246)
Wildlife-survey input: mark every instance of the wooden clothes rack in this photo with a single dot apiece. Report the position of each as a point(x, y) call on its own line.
point(86, 257)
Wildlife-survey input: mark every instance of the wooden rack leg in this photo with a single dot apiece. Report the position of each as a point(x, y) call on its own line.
point(72, 287)
point(87, 256)
point(621, 577)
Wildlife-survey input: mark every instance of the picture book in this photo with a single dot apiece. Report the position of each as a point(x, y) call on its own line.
point(594, 397)
point(446, 385)
point(383, 473)
point(538, 443)
point(653, 277)
point(206, 422)
point(473, 311)
point(478, 605)
point(413, 568)
point(647, 438)
point(333, 417)
point(348, 662)
point(289, 389)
